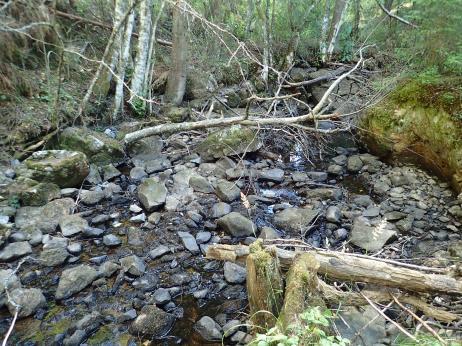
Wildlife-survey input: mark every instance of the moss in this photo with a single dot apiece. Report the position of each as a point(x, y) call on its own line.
point(103, 334)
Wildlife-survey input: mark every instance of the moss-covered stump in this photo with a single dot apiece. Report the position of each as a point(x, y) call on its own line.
point(99, 148)
point(234, 140)
point(265, 287)
point(61, 167)
point(420, 121)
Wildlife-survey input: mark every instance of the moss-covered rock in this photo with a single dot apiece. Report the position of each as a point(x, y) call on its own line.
point(99, 148)
point(420, 121)
point(40, 194)
point(234, 140)
point(176, 114)
point(61, 167)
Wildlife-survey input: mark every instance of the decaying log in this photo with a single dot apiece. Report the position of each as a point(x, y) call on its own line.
point(328, 76)
point(346, 267)
point(265, 286)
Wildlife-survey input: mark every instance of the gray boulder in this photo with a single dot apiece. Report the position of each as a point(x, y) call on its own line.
point(237, 225)
point(370, 238)
point(333, 214)
point(71, 225)
point(152, 322)
point(29, 300)
point(200, 184)
point(220, 209)
point(227, 191)
point(9, 280)
point(53, 256)
point(189, 242)
point(152, 194)
point(15, 250)
point(295, 219)
point(208, 329)
point(133, 265)
point(354, 164)
point(74, 280)
point(275, 175)
point(234, 273)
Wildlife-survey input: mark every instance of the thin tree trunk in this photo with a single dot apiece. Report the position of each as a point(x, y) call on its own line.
point(140, 72)
point(324, 28)
point(249, 17)
point(357, 18)
point(336, 23)
point(267, 43)
point(176, 84)
point(124, 55)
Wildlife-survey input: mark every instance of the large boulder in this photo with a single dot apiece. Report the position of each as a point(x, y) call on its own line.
point(370, 237)
point(8, 280)
point(44, 219)
point(74, 280)
point(15, 250)
point(152, 194)
point(29, 300)
point(237, 225)
point(152, 322)
point(98, 147)
point(234, 140)
point(295, 219)
point(61, 167)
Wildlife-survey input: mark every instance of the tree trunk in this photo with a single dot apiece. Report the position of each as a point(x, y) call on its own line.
point(249, 17)
point(142, 63)
point(324, 28)
point(176, 84)
point(356, 20)
point(336, 23)
point(124, 54)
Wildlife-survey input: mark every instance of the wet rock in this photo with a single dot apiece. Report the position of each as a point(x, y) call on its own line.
point(15, 250)
point(318, 176)
point(161, 296)
point(74, 280)
point(108, 268)
point(40, 194)
point(111, 240)
point(76, 338)
point(189, 242)
point(231, 327)
point(208, 329)
point(140, 218)
point(8, 280)
point(220, 209)
point(93, 232)
point(275, 175)
point(333, 214)
point(268, 233)
point(323, 194)
point(394, 215)
point(152, 194)
point(99, 149)
point(53, 256)
point(152, 322)
point(138, 174)
point(237, 225)
point(354, 164)
point(61, 167)
point(159, 251)
point(90, 197)
point(234, 273)
point(227, 191)
point(335, 169)
point(71, 225)
point(363, 201)
point(370, 238)
point(30, 300)
point(200, 184)
point(133, 265)
point(295, 219)
point(233, 140)
point(44, 218)
point(110, 172)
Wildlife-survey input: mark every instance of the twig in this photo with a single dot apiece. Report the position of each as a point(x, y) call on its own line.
point(10, 330)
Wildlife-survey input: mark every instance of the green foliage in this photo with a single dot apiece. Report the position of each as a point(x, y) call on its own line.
point(310, 330)
point(425, 340)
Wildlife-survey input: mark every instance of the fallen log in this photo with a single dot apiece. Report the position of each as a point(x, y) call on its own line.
point(328, 76)
point(347, 267)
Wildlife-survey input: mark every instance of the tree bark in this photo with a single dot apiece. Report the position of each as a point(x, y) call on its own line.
point(347, 267)
point(324, 31)
point(335, 25)
point(176, 84)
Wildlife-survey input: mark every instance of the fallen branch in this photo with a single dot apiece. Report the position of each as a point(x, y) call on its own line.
point(100, 24)
point(394, 16)
point(326, 77)
point(342, 266)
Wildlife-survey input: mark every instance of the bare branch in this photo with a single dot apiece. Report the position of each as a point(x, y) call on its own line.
point(394, 16)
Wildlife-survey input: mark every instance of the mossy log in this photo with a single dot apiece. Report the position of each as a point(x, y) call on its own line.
point(265, 286)
point(347, 267)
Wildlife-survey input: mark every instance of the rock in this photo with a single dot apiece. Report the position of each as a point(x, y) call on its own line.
point(299, 177)
point(140, 218)
point(333, 214)
point(189, 242)
point(363, 201)
point(61, 167)
point(176, 114)
point(161, 296)
point(237, 225)
point(203, 237)
point(53, 256)
point(99, 148)
point(318, 176)
point(74, 280)
point(201, 294)
point(354, 164)
point(71, 225)
point(39, 194)
point(146, 148)
point(340, 234)
point(381, 188)
point(234, 140)
point(231, 327)
point(323, 194)
point(74, 248)
point(93, 232)
point(159, 164)
point(94, 178)
point(220, 209)
point(15, 250)
point(394, 215)
point(208, 329)
point(335, 169)
point(108, 268)
point(133, 265)
point(370, 238)
point(110, 172)
point(200, 184)
point(30, 300)
point(89, 197)
point(76, 338)
point(9, 280)
point(138, 174)
point(340, 160)
point(111, 240)
point(234, 273)
point(152, 194)
point(241, 338)
point(159, 251)
point(371, 212)
point(269, 233)
point(152, 322)
point(227, 191)
point(275, 175)
point(295, 219)
point(99, 219)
